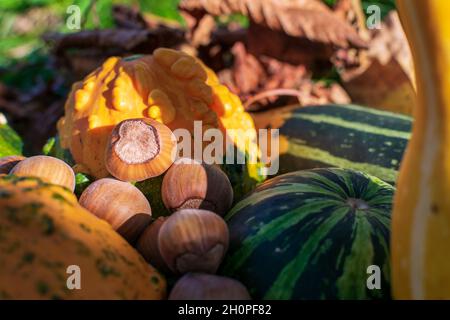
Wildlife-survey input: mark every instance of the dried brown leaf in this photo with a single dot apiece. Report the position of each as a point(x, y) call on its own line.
point(308, 19)
point(248, 72)
point(385, 78)
point(264, 82)
point(201, 33)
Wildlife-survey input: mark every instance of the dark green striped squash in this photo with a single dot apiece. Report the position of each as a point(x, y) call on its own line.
point(10, 143)
point(345, 136)
point(312, 234)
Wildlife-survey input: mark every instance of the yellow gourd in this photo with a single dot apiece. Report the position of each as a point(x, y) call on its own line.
point(44, 231)
point(421, 217)
point(169, 86)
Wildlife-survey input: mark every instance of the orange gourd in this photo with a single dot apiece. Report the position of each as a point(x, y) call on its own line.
point(45, 234)
point(169, 86)
point(421, 215)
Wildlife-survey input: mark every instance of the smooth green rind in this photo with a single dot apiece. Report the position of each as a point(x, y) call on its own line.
point(296, 236)
point(243, 177)
point(344, 136)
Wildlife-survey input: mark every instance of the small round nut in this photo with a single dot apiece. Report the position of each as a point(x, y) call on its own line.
point(199, 286)
point(147, 245)
point(48, 169)
point(192, 185)
point(8, 162)
point(193, 240)
point(119, 203)
point(139, 149)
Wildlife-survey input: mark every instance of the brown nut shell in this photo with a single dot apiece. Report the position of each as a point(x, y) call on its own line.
point(192, 185)
point(48, 169)
point(193, 240)
point(8, 162)
point(199, 286)
point(147, 245)
point(139, 149)
point(119, 203)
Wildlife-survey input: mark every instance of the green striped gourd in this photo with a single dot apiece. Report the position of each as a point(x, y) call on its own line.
point(346, 136)
point(312, 235)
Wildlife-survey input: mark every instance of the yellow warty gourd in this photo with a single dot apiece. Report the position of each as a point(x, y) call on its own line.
point(421, 217)
point(43, 231)
point(169, 86)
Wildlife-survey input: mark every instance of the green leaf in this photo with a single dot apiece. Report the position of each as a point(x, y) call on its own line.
point(46, 149)
point(82, 181)
point(151, 188)
point(10, 142)
point(22, 5)
point(53, 148)
point(166, 9)
point(385, 6)
point(104, 10)
point(16, 41)
point(31, 70)
point(240, 19)
point(99, 15)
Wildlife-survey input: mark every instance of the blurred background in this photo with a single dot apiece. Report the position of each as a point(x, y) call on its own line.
point(270, 52)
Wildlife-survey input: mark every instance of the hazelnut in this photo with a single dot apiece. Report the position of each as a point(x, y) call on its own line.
point(198, 286)
point(190, 184)
point(193, 240)
point(147, 245)
point(139, 149)
point(48, 169)
point(119, 203)
point(8, 162)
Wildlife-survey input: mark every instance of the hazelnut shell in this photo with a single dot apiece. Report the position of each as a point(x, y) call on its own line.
point(139, 149)
point(48, 169)
point(193, 240)
point(192, 185)
point(199, 286)
point(119, 203)
point(8, 162)
point(147, 245)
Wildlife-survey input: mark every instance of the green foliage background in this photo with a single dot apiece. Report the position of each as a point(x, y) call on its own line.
point(27, 48)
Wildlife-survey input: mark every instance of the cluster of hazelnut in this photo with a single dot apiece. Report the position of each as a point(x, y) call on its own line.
point(192, 241)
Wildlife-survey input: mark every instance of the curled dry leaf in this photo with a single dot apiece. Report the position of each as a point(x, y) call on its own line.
point(308, 19)
point(201, 35)
point(247, 70)
point(384, 77)
point(200, 27)
point(264, 82)
point(308, 93)
point(352, 12)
